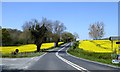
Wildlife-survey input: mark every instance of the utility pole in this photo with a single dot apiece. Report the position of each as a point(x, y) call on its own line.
point(118, 47)
point(112, 45)
point(111, 39)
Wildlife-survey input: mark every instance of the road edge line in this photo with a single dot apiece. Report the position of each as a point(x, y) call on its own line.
point(69, 62)
point(92, 61)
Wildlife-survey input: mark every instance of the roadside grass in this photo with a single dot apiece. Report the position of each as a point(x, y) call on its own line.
point(27, 54)
point(23, 54)
point(98, 57)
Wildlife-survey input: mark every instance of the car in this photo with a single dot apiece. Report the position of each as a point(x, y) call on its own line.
point(117, 60)
point(118, 57)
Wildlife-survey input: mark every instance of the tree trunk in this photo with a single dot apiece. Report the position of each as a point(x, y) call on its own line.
point(56, 44)
point(38, 47)
point(45, 39)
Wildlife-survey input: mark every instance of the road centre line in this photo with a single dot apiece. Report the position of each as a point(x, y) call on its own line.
point(70, 63)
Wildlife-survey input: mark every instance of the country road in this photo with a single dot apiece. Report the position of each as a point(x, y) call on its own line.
point(59, 59)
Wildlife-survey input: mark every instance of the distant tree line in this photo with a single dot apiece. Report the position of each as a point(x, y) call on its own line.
point(37, 32)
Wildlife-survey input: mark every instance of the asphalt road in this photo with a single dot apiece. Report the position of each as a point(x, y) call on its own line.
point(50, 62)
point(58, 59)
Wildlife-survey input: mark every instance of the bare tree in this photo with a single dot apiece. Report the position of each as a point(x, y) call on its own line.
point(0, 36)
point(37, 31)
point(96, 30)
point(54, 31)
point(58, 29)
point(76, 36)
point(67, 37)
point(26, 36)
point(49, 25)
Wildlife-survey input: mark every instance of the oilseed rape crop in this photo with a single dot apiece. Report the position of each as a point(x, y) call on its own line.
point(25, 48)
point(99, 46)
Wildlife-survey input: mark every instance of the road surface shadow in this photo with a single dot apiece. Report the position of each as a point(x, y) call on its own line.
point(64, 46)
point(54, 51)
point(57, 50)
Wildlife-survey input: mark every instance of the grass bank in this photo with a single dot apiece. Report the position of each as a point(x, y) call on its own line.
point(98, 57)
point(22, 55)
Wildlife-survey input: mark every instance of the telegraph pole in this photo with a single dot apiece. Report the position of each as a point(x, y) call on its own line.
point(118, 47)
point(110, 38)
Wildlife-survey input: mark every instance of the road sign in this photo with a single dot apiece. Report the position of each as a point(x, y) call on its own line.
point(110, 38)
point(117, 42)
point(114, 38)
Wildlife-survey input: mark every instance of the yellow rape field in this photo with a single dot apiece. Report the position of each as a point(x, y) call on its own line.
point(100, 46)
point(25, 48)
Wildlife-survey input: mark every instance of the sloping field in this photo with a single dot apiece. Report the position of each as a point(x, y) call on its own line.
point(100, 46)
point(25, 48)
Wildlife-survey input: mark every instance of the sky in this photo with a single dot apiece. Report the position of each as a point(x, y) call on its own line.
point(76, 16)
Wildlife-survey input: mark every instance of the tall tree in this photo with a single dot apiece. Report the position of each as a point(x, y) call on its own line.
point(48, 24)
point(67, 37)
point(26, 36)
point(76, 36)
point(96, 30)
point(0, 36)
point(14, 34)
point(6, 39)
point(38, 32)
point(58, 29)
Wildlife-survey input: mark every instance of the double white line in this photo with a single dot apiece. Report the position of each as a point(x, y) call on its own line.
point(70, 63)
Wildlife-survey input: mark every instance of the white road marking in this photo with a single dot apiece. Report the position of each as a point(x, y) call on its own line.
point(70, 63)
point(12, 64)
point(13, 59)
point(91, 61)
point(25, 67)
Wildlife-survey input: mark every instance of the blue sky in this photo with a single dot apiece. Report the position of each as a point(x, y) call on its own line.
point(76, 16)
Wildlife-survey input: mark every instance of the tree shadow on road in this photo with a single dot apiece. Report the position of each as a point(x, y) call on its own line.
point(55, 51)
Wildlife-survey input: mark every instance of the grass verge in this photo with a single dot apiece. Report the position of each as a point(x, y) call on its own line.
point(21, 55)
point(98, 57)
